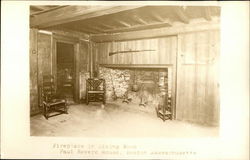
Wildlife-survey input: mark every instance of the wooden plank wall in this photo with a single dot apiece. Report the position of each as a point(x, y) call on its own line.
point(33, 72)
point(44, 53)
point(44, 45)
point(84, 67)
point(162, 54)
point(197, 82)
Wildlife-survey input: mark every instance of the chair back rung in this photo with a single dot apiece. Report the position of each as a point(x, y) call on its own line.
point(95, 84)
point(95, 90)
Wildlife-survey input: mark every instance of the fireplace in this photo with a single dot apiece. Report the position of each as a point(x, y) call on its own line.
point(145, 87)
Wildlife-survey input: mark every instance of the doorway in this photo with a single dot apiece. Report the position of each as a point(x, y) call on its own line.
point(65, 70)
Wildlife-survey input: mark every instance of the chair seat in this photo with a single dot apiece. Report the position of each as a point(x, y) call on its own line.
point(56, 101)
point(95, 91)
point(67, 85)
point(166, 112)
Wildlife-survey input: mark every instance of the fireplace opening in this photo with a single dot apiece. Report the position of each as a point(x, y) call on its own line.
point(143, 87)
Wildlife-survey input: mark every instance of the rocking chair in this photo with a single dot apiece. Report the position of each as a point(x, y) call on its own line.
point(52, 101)
point(95, 90)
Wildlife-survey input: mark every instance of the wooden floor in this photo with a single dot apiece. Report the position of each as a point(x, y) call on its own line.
point(116, 119)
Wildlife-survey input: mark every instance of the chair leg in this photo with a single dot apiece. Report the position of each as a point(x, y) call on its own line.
point(65, 108)
point(104, 98)
point(87, 99)
point(157, 113)
point(46, 108)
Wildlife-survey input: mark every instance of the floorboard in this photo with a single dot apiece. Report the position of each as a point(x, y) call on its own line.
point(115, 119)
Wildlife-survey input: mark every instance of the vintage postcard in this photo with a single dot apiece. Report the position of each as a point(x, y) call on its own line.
point(125, 80)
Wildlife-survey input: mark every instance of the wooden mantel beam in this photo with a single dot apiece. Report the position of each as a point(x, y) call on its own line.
point(74, 13)
point(152, 33)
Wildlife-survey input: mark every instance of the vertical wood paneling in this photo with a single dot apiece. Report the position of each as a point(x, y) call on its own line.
point(150, 54)
point(44, 58)
point(167, 50)
point(95, 57)
point(111, 47)
point(197, 91)
point(99, 47)
point(44, 55)
point(162, 54)
point(154, 55)
point(172, 75)
point(34, 107)
point(139, 56)
point(83, 67)
point(121, 58)
point(129, 55)
point(133, 43)
point(146, 45)
point(77, 71)
point(102, 48)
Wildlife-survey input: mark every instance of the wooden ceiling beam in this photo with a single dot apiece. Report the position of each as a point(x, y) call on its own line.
point(110, 23)
point(88, 31)
point(139, 20)
point(140, 27)
point(125, 24)
point(121, 19)
point(181, 14)
point(106, 26)
point(48, 9)
point(74, 13)
point(157, 17)
point(151, 33)
point(207, 14)
point(37, 8)
point(70, 33)
point(74, 30)
point(92, 28)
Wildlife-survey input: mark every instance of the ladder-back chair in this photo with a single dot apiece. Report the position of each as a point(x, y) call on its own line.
point(164, 110)
point(52, 101)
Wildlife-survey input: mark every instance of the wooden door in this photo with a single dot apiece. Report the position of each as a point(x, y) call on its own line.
point(197, 77)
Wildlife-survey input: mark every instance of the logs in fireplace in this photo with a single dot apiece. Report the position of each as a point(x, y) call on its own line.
point(153, 84)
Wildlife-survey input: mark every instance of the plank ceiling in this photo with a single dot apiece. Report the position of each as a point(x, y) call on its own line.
point(116, 19)
point(34, 10)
